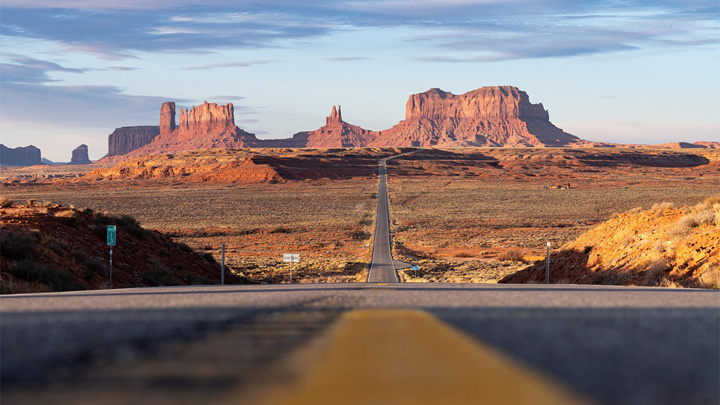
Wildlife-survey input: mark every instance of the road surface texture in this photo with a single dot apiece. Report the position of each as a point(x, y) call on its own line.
point(362, 343)
point(383, 269)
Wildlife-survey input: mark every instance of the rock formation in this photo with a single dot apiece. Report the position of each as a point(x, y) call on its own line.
point(22, 156)
point(126, 139)
point(206, 126)
point(336, 133)
point(489, 116)
point(80, 156)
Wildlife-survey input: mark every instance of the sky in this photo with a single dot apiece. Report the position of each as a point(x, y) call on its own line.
point(624, 71)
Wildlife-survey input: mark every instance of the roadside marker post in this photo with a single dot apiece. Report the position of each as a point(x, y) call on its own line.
point(222, 265)
point(547, 264)
point(291, 258)
point(111, 240)
point(416, 268)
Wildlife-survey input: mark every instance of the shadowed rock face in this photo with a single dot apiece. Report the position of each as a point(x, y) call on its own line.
point(126, 139)
point(80, 156)
point(22, 156)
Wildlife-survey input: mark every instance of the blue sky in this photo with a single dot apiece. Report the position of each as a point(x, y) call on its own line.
point(621, 71)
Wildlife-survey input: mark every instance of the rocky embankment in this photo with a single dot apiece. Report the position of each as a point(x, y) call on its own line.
point(663, 246)
point(47, 247)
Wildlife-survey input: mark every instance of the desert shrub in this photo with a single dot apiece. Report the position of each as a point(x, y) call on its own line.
point(100, 231)
point(17, 245)
point(512, 255)
point(6, 202)
point(12, 287)
point(31, 202)
point(692, 220)
point(711, 278)
point(103, 218)
point(463, 254)
point(69, 218)
point(46, 204)
point(97, 266)
point(196, 279)
point(184, 247)
point(610, 277)
point(711, 201)
point(207, 257)
point(58, 247)
point(281, 229)
point(79, 256)
point(158, 276)
point(131, 225)
point(655, 272)
point(56, 280)
point(659, 208)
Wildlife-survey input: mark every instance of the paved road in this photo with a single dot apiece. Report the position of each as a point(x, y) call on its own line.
point(615, 345)
point(383, 268)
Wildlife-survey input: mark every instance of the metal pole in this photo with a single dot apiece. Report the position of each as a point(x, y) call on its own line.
point(110, 266)
point(291, 269)
point(222, 266)
point(547, 264)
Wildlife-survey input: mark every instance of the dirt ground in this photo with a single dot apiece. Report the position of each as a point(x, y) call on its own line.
point(472, 215)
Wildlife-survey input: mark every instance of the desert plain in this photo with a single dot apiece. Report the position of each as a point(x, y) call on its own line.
point(460, 214)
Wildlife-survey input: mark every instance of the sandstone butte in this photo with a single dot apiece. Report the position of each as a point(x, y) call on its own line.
point(22, 156)
point(80, 156)
point(490, 116)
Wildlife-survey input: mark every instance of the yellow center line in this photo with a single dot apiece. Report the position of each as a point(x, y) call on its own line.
point(411, 357)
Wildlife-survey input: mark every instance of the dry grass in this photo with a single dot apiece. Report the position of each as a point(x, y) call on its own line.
point(328, 223)
point(711, 278)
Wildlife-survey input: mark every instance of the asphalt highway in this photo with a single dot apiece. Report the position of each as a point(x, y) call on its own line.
point(383, 268)
point(614, 345)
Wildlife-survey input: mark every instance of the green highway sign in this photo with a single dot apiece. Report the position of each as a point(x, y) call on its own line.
point(111, 235)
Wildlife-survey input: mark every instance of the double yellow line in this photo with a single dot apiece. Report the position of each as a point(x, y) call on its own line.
point(411, 357)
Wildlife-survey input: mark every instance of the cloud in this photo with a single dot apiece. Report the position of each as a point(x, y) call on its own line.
point(229, 64)
point(226, 98)
point(24, 69)
point(492, 29)
point(347, 59)
point(118, 34)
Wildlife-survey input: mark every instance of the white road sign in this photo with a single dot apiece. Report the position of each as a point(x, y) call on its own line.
point(291, 257)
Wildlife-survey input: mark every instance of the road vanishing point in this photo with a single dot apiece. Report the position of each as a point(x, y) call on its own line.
point(362, 343)
point(383, 268)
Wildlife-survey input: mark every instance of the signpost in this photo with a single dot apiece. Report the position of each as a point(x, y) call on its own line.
point(222, 266)
point(547, 264)
point(416, 268)
point(111, 240)
point(291, 258)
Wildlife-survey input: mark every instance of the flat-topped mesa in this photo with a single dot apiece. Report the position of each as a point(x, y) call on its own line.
point(207, 118)
point(493, 103)
point(335, 116)
point(126, 139)
point(21, 156)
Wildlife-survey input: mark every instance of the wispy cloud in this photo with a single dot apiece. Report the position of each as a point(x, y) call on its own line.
point(493, 29)
point(24, 69)
point(347, 58)
point(229, 64)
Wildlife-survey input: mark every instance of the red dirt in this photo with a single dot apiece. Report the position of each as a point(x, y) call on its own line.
point(74, 241)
